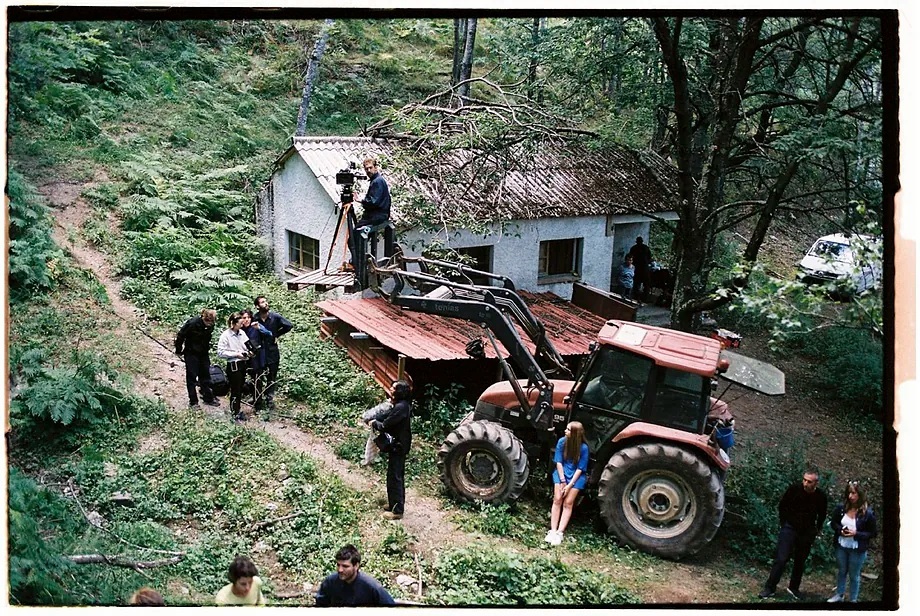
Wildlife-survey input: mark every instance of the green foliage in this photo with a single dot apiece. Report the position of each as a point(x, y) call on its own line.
point(439, 411)
point(36, 570)
point(80, 391)
point(847, 366)
point(481, 575)
point(34, 257)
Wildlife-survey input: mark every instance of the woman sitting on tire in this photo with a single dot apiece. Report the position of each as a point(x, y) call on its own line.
point(569, 479)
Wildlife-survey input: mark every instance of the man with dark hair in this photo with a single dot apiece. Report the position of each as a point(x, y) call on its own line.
point(396, 421)
point(350, 587)
point(278, 326)
point(802, 510)
point(376, 202)
point(642, 259)
point(193, 343)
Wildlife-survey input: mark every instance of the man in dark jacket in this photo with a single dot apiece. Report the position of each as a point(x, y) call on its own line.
point(278, 326)
point(642, 259)
point(376, 203)
point(802, 511)
point(193, 343)
point(396, 421)
point(349, 586)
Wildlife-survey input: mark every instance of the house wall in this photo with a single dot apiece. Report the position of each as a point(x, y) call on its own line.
point(516, 250)
point(302, 206)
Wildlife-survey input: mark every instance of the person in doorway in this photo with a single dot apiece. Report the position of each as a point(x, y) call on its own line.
point(259, 337)
point(642, 259)
point(397, 422)
point(625, 276)
point(232, 346)
point(802, 511)
point(193, 343)
point(376, 202)
point(569, 479)
point(278, 326)
point(854, 527)
point(349, 586)
point(245, 587)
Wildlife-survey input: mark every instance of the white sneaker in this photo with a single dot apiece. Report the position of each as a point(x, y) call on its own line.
point(556, 538)
point(549, 536)
point(835, 599)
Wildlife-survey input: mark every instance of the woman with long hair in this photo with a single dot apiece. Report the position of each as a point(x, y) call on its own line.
point(397, 422)
point(232, 347)
point(854, 526)
point(569, 478)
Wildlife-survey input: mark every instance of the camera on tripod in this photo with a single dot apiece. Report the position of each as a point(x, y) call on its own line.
point(346, 179)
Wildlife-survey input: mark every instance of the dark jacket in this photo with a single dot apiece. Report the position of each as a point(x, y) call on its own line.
point(278, 326)
point(377, 201)
point(641, 255)
point(866, 527)
point(194, 337)
point(803, 511)
point(259, 338)
point(397, 423)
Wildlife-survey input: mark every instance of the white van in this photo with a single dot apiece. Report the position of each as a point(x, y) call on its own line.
point(855, 258)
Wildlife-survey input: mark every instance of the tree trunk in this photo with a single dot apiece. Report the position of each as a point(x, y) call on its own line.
point(532, 91)
point(466, 65)
point(459, 43)
point(318, 50)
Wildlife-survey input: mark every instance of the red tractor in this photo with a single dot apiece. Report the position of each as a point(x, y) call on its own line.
point(657, 439)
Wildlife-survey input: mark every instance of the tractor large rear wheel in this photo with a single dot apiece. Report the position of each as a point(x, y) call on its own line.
point(661, 499)
point(483, 461)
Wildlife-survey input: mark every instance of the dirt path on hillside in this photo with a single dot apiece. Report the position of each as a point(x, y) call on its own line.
point(161, 374)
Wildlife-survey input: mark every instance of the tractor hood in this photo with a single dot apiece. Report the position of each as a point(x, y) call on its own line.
point(754, 374)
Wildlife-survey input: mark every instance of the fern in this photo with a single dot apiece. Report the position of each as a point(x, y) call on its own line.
point(33, 254)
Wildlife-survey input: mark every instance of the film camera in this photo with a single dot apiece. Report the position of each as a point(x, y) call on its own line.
point(346, 179)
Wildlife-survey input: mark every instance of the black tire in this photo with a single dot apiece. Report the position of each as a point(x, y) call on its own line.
point(482, 461)
point(661, 499)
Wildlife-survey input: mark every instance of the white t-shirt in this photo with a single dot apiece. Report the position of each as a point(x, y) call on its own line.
point(848, 542)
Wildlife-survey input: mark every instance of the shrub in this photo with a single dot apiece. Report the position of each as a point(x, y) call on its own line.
point(33, 254)
point(439, 411)
point(479, 575)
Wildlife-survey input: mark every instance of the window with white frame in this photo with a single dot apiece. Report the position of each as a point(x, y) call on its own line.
point(303, 251)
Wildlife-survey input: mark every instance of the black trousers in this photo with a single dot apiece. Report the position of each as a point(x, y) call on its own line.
point(271, 375)
point(197, 369)
point(396, 481)
point(795, 545)
point(236, 376)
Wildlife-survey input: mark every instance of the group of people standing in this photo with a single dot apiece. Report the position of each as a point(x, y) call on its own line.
point(802, 512)
point(249, 345)
point(633, 277)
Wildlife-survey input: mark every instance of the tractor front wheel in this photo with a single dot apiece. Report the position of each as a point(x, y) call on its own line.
point(661, 499)
point(483, 461)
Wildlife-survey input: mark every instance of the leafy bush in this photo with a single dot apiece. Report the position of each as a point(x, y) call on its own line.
point(847, 367)
point(480, 575)
point(33, 254)
point(36, 570)
point(439, 411)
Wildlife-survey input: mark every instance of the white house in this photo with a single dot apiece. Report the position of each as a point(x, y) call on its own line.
point(571, 216)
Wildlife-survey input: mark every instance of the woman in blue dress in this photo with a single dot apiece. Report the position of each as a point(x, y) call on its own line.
point(569, 478)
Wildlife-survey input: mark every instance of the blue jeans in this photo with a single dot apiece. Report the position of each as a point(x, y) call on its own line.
point(849, 564)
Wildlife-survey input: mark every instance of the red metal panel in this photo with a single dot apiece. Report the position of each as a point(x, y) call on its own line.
point(430, 337)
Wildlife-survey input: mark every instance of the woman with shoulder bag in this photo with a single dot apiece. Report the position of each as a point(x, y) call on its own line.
point(854, 526)
point(232, 347)
point(396, 422)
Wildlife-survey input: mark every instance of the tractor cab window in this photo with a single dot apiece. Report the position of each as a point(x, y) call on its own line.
point(616, 381)
point(680, 400)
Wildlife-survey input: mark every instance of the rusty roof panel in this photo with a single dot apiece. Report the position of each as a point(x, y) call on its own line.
point(424, 336)
point(565, 179)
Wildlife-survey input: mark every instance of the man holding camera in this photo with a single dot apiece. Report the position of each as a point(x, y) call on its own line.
point(376, 204)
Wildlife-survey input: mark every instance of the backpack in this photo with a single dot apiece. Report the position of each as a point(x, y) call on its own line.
point(219, 384)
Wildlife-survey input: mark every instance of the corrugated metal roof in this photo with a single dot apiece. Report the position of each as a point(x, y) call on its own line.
point(562, 179)
point(424, 336)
